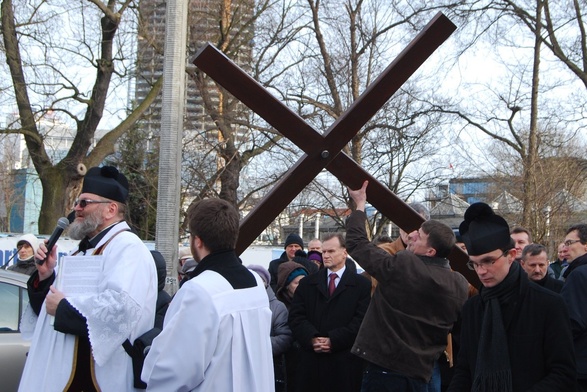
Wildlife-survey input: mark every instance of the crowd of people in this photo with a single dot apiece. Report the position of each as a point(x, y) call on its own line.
point(310, 321)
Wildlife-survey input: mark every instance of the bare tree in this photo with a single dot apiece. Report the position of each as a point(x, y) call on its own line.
point(226, 137)
point(348, 45)
point(50, 48)
point(530, 111)
point(559, 26)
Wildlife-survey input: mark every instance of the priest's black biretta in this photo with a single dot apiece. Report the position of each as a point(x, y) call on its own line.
point(483, 231)
point(106, 181)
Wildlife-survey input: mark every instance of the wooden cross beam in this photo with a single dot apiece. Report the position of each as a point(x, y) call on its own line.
point(325, 151)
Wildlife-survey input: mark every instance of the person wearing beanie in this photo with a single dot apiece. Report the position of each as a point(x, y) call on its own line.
point(262, 272)
point(514, 335)
point(293, 239)
point(293, 251)
point(182, 255)
point(281, 338)
point(77, 340)
point(26, 247)
point(316, 257)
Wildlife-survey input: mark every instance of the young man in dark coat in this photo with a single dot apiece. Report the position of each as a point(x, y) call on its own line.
point(416, 302)
point(326, 313)
point(515, 335)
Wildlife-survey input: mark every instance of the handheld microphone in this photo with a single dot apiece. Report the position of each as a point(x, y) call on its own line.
point(62, 224)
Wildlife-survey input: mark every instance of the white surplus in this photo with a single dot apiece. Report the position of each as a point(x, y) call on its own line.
point(214, 338)
point(123, 309)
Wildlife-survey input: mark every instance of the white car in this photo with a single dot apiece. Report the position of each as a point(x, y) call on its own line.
point(13, 350)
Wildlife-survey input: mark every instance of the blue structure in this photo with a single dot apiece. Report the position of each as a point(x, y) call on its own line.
point(25, 202)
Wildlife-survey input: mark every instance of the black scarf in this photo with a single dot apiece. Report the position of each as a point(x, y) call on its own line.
point(493, 371)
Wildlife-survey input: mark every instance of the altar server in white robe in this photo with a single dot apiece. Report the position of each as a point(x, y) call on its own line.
point(77, 340)
point(221, 315)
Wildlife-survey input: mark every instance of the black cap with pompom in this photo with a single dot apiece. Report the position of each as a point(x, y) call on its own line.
point(483, 231)
point(107, 182)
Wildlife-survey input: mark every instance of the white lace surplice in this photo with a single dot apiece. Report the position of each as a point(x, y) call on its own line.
point(123, 308)
point(111, 316)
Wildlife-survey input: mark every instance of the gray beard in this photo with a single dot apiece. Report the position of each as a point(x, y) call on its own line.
point(79, 230)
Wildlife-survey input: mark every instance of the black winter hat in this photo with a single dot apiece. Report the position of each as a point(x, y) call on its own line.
point(293, 238)
point(483, 231)
point(107, 182)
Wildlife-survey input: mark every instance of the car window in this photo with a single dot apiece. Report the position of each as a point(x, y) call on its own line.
point(13, 299)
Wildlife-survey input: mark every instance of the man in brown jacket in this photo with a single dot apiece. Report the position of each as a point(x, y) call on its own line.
point(415, 305)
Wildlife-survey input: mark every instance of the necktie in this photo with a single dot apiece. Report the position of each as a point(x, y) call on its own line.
point(332, 284)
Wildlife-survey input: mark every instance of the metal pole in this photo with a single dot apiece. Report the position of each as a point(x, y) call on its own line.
point(172, 111)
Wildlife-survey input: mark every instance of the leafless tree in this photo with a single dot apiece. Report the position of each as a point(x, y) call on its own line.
point(346, 46)
point(71, 58)
point(529, 109)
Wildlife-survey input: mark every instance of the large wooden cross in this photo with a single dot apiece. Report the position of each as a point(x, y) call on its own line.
point(325, 151)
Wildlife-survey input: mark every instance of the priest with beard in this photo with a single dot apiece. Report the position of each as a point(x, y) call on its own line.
point(77, 340)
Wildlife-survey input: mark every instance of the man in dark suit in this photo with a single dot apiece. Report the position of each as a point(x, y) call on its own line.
point(326, 313)
point(574, 295)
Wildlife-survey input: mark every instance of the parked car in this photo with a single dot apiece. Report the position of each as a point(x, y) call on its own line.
point(13, 350)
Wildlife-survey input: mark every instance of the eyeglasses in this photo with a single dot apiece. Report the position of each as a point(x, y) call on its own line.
point(84, 202)
point(485, 264)
point(568, 243)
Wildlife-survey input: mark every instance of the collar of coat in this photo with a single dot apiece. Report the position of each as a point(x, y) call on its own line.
point(438, 261)
point(579, 261)
point(227, 264)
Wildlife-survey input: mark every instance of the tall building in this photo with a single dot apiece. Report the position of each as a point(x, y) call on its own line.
point(206, 19)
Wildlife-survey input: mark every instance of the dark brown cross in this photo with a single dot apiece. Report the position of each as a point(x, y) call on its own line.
point(325, 151)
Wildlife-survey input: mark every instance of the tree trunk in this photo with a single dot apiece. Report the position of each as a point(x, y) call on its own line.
point(530, 167)
point(230, 176)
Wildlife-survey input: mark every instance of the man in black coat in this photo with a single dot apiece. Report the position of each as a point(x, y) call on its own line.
point(574, 294)
point(535, 262)
point(515, 335)
point(326, 313)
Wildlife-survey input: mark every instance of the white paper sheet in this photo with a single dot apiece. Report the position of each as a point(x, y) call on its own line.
point(79, 275)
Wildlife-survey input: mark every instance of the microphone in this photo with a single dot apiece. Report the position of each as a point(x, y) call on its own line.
point(62, 224)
